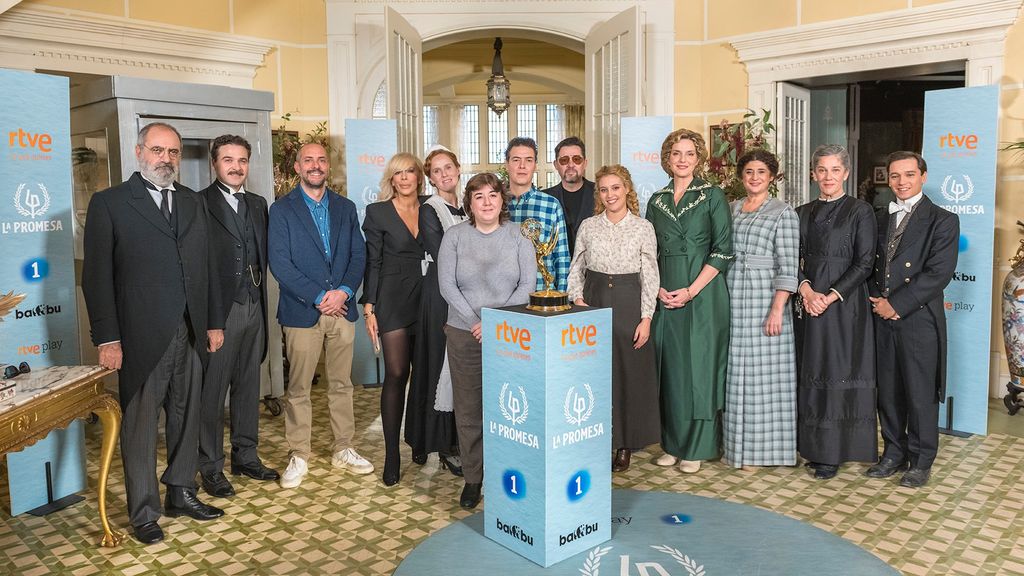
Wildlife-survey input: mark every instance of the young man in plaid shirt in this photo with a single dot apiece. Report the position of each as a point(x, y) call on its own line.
point(529, 202)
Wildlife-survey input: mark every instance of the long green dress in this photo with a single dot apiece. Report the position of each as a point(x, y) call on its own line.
point(692, 342)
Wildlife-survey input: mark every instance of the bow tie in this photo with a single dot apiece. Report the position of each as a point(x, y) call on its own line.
point(894, 208)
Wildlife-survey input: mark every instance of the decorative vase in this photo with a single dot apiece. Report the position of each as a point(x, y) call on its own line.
point(1013, 329)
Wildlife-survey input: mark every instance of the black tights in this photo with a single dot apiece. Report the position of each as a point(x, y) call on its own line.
point(397, 348)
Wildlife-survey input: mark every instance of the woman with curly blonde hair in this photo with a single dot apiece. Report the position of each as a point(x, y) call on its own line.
point(615, 266)
point(691, 325)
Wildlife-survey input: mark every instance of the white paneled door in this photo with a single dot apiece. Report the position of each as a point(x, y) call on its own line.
point(794, 136)
point(404, 55)
point(614, 61)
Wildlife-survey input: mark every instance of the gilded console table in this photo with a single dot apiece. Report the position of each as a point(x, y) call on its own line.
point(52, 398)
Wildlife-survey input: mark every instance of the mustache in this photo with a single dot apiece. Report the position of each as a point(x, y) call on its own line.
point(236, 173)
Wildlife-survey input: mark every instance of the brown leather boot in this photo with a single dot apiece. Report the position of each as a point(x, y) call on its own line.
point(621, 461)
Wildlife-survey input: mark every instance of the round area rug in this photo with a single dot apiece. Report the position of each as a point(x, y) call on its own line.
point(659, 534)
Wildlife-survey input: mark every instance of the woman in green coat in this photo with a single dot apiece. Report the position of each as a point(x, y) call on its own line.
point(691, 325)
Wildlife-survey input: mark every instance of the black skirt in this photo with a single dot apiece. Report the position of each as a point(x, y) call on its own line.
point(636, 420)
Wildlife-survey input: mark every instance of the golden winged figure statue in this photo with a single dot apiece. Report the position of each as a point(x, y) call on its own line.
point(8, 302)
point(531, 229)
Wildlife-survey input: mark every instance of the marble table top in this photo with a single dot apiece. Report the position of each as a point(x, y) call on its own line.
point(44, 381)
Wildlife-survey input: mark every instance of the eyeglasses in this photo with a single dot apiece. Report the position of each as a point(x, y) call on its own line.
point(577, 160)
point(10, 370)
point(159, 151)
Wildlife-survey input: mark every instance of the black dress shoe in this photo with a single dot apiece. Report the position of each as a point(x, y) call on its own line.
point(184, 502)
point(420, 459)
point(148, 533)
point(451, 463)
point(915, 477)
point(217, 485)
point(255, 470)
point(621, 461)
point(470, 495)
point(886, 467)
point(825, 471)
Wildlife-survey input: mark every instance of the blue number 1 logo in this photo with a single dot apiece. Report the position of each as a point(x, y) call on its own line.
point(514, 484)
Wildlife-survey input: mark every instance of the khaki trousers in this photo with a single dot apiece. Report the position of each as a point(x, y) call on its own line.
point(303, 345)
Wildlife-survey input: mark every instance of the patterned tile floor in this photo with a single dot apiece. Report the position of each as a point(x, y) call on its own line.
point(969, 520)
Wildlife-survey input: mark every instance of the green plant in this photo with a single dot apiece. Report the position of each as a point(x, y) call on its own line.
point(729, 142)
point(286, 145)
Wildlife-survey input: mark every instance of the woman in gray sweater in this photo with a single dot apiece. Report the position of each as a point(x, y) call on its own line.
point(483, 263)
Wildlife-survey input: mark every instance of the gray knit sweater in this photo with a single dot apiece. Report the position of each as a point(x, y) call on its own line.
point(477, 270)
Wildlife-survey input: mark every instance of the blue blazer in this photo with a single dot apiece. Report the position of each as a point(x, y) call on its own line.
point(297, 260)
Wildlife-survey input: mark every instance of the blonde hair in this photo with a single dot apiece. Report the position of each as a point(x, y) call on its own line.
point(698, 143)
point(620, 171)
point(396, 164)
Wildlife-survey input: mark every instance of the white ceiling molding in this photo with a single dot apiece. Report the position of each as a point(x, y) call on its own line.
point(962, 30)
point(75, 41)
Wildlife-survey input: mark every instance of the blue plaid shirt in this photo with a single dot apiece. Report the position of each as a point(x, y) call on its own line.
point(546, 209)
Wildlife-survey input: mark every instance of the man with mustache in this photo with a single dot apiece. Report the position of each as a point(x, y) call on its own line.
point(147, 289)
point(238, 317)
point(318, 255)
point(575, 193)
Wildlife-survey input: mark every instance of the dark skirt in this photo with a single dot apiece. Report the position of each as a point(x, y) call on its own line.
point(636, 421)
point(428, 430)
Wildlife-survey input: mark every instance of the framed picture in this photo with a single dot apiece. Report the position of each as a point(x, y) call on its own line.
point(718, 146)
point(881, 175)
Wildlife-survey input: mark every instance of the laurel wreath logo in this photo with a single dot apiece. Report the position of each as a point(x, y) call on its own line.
point(573, 404)
point(593, 562)
point(954, 191)
point(514, 412)
point(33, 205)
point(691, 566)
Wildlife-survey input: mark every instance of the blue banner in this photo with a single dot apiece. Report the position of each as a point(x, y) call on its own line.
point(640, 153)
point(960, 145)
point(38, 315)
point(369, 144)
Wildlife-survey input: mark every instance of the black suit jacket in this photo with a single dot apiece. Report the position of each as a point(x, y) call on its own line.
point(394, 273)
point(921, 268)
point(225, 246)
point(139, 278)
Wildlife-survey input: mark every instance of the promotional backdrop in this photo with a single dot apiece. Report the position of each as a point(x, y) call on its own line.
point(368, 146)
point(640, 153)
point(960, 144)
point(38, 317)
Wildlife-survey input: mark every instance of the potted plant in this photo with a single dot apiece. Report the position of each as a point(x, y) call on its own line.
point(729, 142)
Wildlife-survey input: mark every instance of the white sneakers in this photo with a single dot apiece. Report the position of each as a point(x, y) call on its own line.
point(350, 460)
point(294, 473)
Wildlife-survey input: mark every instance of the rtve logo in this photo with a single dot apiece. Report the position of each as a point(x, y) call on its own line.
point(950, 140)
point(21, 139)
point(579, 335)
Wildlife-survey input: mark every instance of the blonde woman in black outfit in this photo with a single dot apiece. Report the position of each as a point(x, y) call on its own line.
point(391, 290)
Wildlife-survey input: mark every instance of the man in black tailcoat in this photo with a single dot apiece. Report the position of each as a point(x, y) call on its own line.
point(238, 258)
point(915, 260)
point(147, 289)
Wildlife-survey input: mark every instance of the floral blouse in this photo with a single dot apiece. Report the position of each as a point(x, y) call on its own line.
point(628, 247)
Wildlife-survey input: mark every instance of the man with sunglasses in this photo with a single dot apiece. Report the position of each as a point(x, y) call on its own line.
point(575, 193)
point(147, 289)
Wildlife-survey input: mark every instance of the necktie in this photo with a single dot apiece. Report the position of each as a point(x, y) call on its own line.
point(165, 204)
point(241, 204)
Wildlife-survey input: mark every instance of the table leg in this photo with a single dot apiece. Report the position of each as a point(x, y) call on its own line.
point(109, 414)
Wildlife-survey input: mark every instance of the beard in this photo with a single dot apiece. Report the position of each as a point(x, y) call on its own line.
point(163, 174)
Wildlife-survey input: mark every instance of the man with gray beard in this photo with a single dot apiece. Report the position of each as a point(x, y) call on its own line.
point(147, 288)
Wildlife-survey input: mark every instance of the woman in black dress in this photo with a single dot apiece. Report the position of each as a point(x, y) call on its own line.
point(391, 290)
point(835, 347)
point(430, 416)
